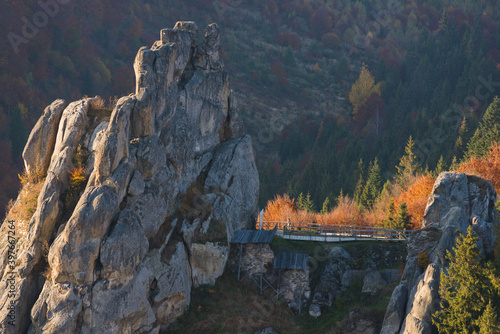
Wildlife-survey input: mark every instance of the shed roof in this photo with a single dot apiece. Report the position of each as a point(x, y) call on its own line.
point(253, 236)
point(288, 260)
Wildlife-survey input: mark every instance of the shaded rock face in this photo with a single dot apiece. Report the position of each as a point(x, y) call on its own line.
point(457, 201)
point(330, 286)
point(170, 178)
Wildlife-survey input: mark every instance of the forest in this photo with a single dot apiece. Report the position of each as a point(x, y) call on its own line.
point(350, 103)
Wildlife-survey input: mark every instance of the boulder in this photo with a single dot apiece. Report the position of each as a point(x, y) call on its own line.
point(330, 287)
point(373, 282)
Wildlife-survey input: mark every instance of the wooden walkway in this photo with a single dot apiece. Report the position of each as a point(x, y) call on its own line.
point(333, 233)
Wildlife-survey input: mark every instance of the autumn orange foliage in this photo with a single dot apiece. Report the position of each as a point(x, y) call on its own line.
point(415, 197)
point(488, 167)
point(280, 209)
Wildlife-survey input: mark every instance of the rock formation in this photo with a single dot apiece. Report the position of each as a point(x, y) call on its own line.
point(457, 200)
point(168, 177)
point(330, 285)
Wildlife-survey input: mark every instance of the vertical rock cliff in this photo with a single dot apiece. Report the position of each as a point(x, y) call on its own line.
point(457, 201)
point(136, 205)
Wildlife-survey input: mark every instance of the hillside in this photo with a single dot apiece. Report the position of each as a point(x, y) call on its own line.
point(293, 64)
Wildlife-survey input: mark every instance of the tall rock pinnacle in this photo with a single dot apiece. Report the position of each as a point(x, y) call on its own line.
point(136, 205)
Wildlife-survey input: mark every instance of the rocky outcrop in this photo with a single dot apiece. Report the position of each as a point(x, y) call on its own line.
point(168, 177)
point(373, 282)
point(457, 201)
point(330, 287)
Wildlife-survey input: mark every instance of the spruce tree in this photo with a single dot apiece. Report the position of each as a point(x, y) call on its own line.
point(308, 203)
point(440, 167)
point(326, 206)
point(408, 165)
point(487, 133)
point(300, 202)
point(373, 185)
point(466, 290)
point(358, 191)
point(488, 322)
point(403, 218)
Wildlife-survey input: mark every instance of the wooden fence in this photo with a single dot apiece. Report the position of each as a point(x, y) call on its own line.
point(348, 231)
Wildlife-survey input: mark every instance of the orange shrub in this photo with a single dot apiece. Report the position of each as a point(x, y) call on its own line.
point(488, 167)
point(280, 209)
point(416, 196)
point(345, 213)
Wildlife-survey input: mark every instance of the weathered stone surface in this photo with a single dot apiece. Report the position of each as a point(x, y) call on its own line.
point(426, 302)
point(171, 292)
point(207, 262)
point(171, 177)
point(295, 288)
point(396, 310)
point(56, 309)
point(330, 287)
point(457, 201)
point(124, 249)
point(120, 308)
point(40, 145)
point(137, 185)
point(473, 195)
point(239, 183)
point(373, 282)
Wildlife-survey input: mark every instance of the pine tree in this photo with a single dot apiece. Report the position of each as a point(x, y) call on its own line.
point(466, 288)
point(358, 191)
point(408, 165)
point(488, 322)
point(326, 206)
point(443, 21)
point(403, 218)
point(308, 203)
point(373, 185)
point(487, 133)
point(440, 167)
point(300, 202)
point(391, 212)
point(463, 138)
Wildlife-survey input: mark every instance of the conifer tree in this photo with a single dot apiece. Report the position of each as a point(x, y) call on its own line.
point(308, 203)
point(488, 322)
point(373, 185)
point(408, 165)
point(391, 212)
point(326, 206)
point(300, 202)
point(358, 191)
point(440, 167)
point(487, 133)
point(466, 290)
point(403, 218)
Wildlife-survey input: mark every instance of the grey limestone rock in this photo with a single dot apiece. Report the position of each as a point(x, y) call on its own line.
point(330, 287)
point(456, 202)
point(40, 145)
point(170, 177)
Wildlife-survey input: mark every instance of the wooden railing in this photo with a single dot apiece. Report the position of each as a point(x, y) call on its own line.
point(348, 231)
